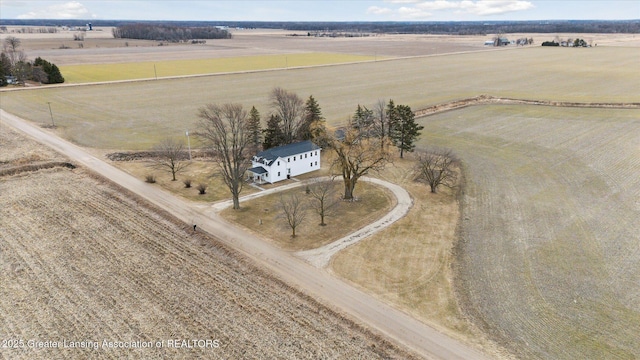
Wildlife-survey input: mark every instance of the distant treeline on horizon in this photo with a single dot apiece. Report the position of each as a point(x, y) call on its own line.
point(401, 27)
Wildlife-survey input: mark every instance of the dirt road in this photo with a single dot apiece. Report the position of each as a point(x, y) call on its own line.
point(317, 283)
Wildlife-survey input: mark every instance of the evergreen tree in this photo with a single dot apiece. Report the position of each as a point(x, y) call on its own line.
point(273, 134)
point(392, 118)
point(313, 123)
point(362, 119)
point(3, 80)
point(53, 73)
point(405, 131)
point(55, 77)
point(255, 129)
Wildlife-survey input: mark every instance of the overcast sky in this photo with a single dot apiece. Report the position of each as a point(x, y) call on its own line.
point(322, 10)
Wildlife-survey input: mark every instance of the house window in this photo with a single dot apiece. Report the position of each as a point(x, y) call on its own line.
point(278, 173)
point(316, 153)
point(278, 163)
point(305, 156)
point(316, 163)
point(311, 164)
point(294, 158)
point(288, 159)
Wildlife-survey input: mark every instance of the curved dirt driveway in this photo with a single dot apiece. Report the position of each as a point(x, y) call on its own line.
point(379, 316)
point(321, 256)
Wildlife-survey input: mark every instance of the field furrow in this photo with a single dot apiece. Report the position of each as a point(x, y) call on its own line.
point(82, 261)
point(548, 258)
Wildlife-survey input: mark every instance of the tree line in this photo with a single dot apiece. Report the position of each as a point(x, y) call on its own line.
point(416, 27)
point(15, 65)
point(170, 33)
point(234, 135)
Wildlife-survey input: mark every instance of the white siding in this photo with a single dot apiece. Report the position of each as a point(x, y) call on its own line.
point(281, 167)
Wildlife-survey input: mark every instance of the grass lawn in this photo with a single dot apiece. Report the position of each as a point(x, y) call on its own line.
point(408, 264)
point(373, 202)
point(199, 172)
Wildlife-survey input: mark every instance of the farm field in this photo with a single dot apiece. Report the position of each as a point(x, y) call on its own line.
point(83, 261)
point(100, 48)
point(85, 113)
point(88, 73)
point(547, 259)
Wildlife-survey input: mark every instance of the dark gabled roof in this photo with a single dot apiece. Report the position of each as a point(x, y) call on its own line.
point(259, 170)
point(288, 150)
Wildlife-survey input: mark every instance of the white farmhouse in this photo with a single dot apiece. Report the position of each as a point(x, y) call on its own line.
point(283, 162)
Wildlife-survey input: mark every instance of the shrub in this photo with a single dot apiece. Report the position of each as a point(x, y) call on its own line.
point(202, 189)
point(150, 179)
point(187, 183)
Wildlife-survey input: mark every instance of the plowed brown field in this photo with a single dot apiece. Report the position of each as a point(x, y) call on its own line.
point(548, 259)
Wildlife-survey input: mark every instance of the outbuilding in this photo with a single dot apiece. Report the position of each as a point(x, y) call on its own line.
point(283, 162)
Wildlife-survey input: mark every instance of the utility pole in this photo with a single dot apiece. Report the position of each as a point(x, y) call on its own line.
point(188, 143)
point(51, 113)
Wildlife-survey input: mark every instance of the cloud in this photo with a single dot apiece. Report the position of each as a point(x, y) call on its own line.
point(441, 5)
point(378, 10)
point(495, 7)
point(423, 9)
point(69, 10)
point(413, 13)
point(402, 1)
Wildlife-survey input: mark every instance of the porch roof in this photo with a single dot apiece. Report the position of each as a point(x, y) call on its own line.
point(258, 170)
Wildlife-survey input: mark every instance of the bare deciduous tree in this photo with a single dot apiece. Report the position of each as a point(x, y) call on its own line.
point(324, 200)
point(437, 167)
point(381, 126)
point(294, 211)
point(12, 43)
point(224, 128)
point(356, 155)
point(170, 156)
point(11, 47)
point(290, 108)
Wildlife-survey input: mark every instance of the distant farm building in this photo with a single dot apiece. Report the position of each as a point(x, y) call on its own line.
point(283, 162)
point(498, 42)
point(503, 42)
point(10, 79)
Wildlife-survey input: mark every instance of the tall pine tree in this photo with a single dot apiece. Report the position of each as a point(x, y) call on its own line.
point(405, 131)
point(255, 129)
point(312, 126)
point(273, 134)
point(362, 119)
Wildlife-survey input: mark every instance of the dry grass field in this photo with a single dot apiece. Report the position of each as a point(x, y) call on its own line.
point(82, 261)
point(418, 277)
